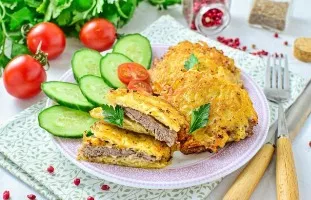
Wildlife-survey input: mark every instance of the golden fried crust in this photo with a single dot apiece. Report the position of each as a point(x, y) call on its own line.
point(128, 124)
point(211, 61)
point(231, 113)
point(124, 139)
point(149, 105)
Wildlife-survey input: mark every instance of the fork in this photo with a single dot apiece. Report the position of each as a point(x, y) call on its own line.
point(277, 89)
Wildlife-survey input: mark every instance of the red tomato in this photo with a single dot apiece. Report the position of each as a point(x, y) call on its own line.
point(139, 86)
point(132, 71)
point(23, 76)
point(98, 34)
point(52, 37)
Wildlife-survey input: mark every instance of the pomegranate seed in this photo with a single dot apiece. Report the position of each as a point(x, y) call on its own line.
point(31, 196)
point(90, 198)
point(244, 48)
point(217, 18)
point(6, 195)
point(76, 181)
point(220, 14)
point(285, 43)
point(219, 22)
point(50, 169)
point(214, 10)
point(105, 187)
point(209, 14)
point(276, 35)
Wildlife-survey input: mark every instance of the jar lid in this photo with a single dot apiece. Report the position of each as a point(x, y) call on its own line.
point(212, 18)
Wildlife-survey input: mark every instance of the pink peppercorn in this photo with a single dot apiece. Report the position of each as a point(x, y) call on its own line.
point(105, 187)
point(6, 195)
point(50, 169)
point(76, 181)
point(31, 196)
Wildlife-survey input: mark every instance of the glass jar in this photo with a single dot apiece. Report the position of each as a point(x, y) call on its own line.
point(270, 14)
point(207, 16)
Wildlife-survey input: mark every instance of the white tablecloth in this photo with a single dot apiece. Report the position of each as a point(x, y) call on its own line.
point(300, 26)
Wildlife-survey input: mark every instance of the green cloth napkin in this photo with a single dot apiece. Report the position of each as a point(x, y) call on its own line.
point(26, 150)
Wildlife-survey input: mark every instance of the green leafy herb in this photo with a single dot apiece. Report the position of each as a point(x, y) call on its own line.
point(89, 133)
point(18, 49)
point(191, 62)
point(199, 117)
point(20, 17)
point(113, 115)
point(70, 15)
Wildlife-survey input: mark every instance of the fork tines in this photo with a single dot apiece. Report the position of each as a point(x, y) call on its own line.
point(277, 77)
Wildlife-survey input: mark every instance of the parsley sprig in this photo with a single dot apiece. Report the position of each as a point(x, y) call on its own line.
point(113, 115)
point(191, 62)
point(199, 117)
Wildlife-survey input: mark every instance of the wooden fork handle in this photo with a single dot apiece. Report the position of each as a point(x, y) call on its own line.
point(248, 179)
point(286, 179)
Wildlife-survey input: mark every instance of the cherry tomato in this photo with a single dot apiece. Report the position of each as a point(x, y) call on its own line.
point(98, 34)
point(139, 86)
point(52, 38)
point(23, 76)
point(132, 71)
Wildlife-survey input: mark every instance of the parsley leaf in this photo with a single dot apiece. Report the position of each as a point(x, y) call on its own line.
point(20, 17)
point(113, 115)
point(191, 62)
point(18, 49)
point(4, 60)
point(64, 17)
point(89, 133)
point(199, 117)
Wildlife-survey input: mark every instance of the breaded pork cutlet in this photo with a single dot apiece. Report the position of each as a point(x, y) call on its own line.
point(231, 117)
point(147, 114)
point(112, 145)
point(171, 67)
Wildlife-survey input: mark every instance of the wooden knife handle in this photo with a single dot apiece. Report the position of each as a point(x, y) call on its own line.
point(248, 179)
point(286, 179)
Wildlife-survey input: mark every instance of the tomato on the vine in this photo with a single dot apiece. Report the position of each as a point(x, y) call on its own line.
point(139, 86)
point(52, 38)
point(23, 76)
point(98, 34)
point(132, 71)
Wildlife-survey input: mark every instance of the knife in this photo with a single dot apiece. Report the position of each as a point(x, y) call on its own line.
point(248, 179)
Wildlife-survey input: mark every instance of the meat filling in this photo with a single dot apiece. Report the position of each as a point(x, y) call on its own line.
point(161, 132)
point(94, 151)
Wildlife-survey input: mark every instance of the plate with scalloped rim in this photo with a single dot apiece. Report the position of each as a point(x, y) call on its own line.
point(185, 170)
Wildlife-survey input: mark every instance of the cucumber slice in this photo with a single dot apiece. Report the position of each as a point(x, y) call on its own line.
point(65, 122)
point(136, 47)
point(94, 89)
point(66, 94)
point(85, 62)
point(109, 68)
